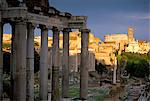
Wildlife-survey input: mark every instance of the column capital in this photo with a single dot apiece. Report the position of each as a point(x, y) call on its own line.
point(31, 25)
point(85, 30)
point(54, 29)
point(43, 27)
point(67, 30)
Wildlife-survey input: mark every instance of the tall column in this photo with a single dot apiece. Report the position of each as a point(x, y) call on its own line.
point(20, 75)
point(84, 64)
point(30, 62)
point(115, 71)
point(65, 63)
point(13, 61)
point(55, 66)
point(44, 64)
point(1, 61)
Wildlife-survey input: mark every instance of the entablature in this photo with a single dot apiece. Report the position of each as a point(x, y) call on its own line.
point(61, 20)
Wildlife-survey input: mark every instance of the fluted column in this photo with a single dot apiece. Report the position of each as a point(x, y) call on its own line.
point(1, 61)
point(55, 66)
point(30, 62)
point(65, 63)
point(84, 64)
point(20, 75)
point(44, 64)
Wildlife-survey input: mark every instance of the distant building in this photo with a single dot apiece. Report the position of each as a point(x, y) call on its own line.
point(101, 51)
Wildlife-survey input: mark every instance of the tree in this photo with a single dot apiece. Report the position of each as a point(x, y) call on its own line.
point(100, 68)
point(6, 62)
point(138, 68)
point(36, 61)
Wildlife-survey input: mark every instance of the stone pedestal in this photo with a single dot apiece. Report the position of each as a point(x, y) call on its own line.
point(84, 64)
point(44, 64)
point(1, 62)
point(20, 75)
point(55, 66)
point(65, 64)
point(30, 63)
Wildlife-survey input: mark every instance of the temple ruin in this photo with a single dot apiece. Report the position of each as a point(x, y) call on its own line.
point(24, 16)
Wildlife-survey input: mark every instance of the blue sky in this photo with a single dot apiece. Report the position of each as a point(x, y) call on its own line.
point(111, 16)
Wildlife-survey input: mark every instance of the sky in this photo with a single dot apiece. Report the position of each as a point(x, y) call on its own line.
point(111, 16)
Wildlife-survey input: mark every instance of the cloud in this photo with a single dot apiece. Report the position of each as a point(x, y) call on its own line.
point(140, 16)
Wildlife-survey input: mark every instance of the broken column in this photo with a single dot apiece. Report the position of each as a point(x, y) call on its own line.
point(30, 62)
point(65, 64)
point(84, 64)
point(20, 75)
point(44, 64)
point(55, 65)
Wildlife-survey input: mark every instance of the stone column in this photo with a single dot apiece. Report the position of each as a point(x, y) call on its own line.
point(30, 62)
point(114, 71)
point(84, 64)
point(1, 61)
point(12, 60)
point(44, 64)
point(65, 63)
point(55, 66)
point(20, 75)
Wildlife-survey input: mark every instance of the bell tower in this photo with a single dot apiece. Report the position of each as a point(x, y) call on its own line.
point(130, 34)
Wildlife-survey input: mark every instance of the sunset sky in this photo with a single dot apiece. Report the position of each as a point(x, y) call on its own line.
point(111, 16)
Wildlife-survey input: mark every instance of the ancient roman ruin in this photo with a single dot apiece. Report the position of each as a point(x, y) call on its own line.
point(24, 16)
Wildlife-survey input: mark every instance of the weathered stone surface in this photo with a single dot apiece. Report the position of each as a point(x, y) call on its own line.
point(20, 75)
point(1, 62)
point(13, 60)
point(84, 64)
point(65, 64)
point(30, 63)
point(44, 64)
point(55, 66)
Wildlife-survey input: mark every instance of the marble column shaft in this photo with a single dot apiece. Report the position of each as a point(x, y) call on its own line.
point(84, 64)
point(55, 66)
point(13, 61)
point(30, 62)
point(1, 61)
point(65, 63)
point(44, 64)
point(115, 71)
point(20, 75)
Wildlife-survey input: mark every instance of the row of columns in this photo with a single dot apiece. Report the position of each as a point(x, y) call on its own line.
point(22, 62)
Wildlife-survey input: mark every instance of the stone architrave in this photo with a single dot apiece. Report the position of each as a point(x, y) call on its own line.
point(84, 64)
